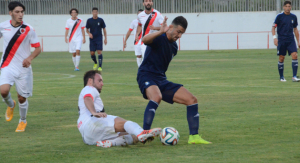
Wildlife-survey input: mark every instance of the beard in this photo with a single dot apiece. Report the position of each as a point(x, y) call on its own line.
point(148, 7)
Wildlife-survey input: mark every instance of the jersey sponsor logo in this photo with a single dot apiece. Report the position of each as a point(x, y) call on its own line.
point(79, 124)
point(292, 21)
point(98, 23)
point(7, 29)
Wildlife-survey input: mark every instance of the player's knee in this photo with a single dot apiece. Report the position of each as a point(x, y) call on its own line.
point(4, 92)
point(92, 53)
point(139, 56)
point(281, 58)
point(294, 56)
point(192, 100)
point(157, 98)
point(21, 99)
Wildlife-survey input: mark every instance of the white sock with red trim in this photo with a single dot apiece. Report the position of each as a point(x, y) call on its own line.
point(77, 60)
point(74, 60)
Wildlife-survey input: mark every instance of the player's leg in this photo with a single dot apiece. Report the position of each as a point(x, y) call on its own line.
point(281, 52)
point(72, 50)
point(78, 47)
point(138, 54)
point(74, 59)
point(100, 59)
point(92, 52)
point(143, 49)
point(292, 50)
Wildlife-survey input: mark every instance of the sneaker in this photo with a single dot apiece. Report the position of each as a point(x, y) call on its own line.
point(104, 144)
point(282, 80)
point(76, 69)
point(99, 69)
point(196, 139)
point(95, 67)
point(295, 79)
point(148, 135)
point(10, 112)
point(21, 127)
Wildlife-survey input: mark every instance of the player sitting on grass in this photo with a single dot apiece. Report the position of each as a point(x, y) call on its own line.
point(98, 128)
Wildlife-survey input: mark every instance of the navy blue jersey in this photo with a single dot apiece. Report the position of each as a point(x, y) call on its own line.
point(95, 26)
point(158, 56)
point(285, 26)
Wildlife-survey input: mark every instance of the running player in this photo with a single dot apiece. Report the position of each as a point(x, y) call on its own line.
point(286, 24)
point(94, 26)
point(137, 44)
point(152, 80)
point(98, 128)
point(76, 36)
point(149, 21)
point(16, 60)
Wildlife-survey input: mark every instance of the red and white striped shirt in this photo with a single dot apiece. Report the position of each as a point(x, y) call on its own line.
point(74, 27)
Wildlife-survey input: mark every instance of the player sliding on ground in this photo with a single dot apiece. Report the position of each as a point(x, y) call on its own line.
point(152, 80)
point(98, 128)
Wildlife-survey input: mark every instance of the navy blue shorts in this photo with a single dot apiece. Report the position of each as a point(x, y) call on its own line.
point(96, 45)
point(167, 88)
point(289, 46)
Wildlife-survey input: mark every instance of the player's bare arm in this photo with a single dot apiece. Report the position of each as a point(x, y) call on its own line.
point(126, 38)
point(296, 32)
point(138, 30)
point(148, 39)
point(83, 35)
point(66, 35)
point(274, 36)
point(89, 103)
point(105, 36)
point(27, 62)
point(89, 33)
point(154, 28)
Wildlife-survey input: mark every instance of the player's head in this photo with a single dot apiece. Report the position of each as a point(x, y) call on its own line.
point(139, 11)
point(148, 4)
point(95, 12)
point(177, 28)
point(16, 11)
point(287, 6)
point(93, 78)
point(74, 12)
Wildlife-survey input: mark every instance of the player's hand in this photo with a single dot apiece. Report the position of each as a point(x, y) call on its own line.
point(137, 38)
point(151, 27)
point(27, 62)
point(66, 39)
point(90, 35)
point(164, 27)
point(105, 41)
point(124, 45)
point(276, 42)
point(83, 41)
point(100, 115)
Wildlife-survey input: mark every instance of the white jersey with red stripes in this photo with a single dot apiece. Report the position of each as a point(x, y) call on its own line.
point(89, 91)
point(145, 20)
point(16, 44)
point(74, 27)
point(133, 27)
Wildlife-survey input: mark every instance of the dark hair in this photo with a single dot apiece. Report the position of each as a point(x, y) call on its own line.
point(12, 5)
point(90, 74)
point(180, 20)
point(140, 10)
point(287, 2)
point(144, 1)
point(74, 10)
point(95, 8)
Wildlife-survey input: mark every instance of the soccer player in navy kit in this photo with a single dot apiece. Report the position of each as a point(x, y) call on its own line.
point(94, 28)
point(152, 80)
point(286, 24)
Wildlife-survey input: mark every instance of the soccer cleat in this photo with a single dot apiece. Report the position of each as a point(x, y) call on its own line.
point(282, 80)
point(76, 69)
point(104, 144)
point(196, 139)
point(295, 79)
point(148, 135)
point(95, 66)
point(10, 112)
point(99, 69)
point(21, 127)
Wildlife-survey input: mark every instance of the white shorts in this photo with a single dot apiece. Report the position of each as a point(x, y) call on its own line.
point(138, 49)
point(143, 48)
point(94, 129)
point(23, 80)
point(75, 45)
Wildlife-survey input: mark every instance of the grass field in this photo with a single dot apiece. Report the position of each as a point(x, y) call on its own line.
point(244, 110)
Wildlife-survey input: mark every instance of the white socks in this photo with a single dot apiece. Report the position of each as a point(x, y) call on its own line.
point(77, 60)
point(23, 110)
point(119, 141)
point(9, 101)
point(128, 139)
point(133, 128)
point(74, 60)
point(139, 61)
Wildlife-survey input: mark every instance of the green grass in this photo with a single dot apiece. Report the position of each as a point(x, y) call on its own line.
point(244, 110)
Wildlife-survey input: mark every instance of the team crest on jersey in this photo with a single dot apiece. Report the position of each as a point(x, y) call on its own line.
point(22, 30)
point(292, 21)
point(98, 23)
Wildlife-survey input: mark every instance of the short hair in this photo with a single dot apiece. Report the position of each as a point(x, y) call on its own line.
point(74, 10)
point(90, 75)
point(144, 1)
point(12, 5)
point(180, 20)
point(140, 10)
point(287, 2)
point(95, 8)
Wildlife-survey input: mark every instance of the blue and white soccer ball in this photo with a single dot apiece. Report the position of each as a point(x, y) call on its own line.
point(169, 136)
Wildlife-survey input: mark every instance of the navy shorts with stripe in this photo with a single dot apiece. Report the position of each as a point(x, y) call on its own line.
point(286, 46)
point(167, 88)
point(96, 45)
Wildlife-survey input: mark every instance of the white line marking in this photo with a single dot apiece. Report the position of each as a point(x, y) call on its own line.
point(66, 76)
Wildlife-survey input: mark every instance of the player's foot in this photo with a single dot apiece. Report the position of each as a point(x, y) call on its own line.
point(95, 66)
point(104, 144)
point(99, 69)
point(295, 79)
point(282, 80)
point(21, 127)
point(148, 135)
point(10, 112)
point(76, 69)
point(196, 139)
